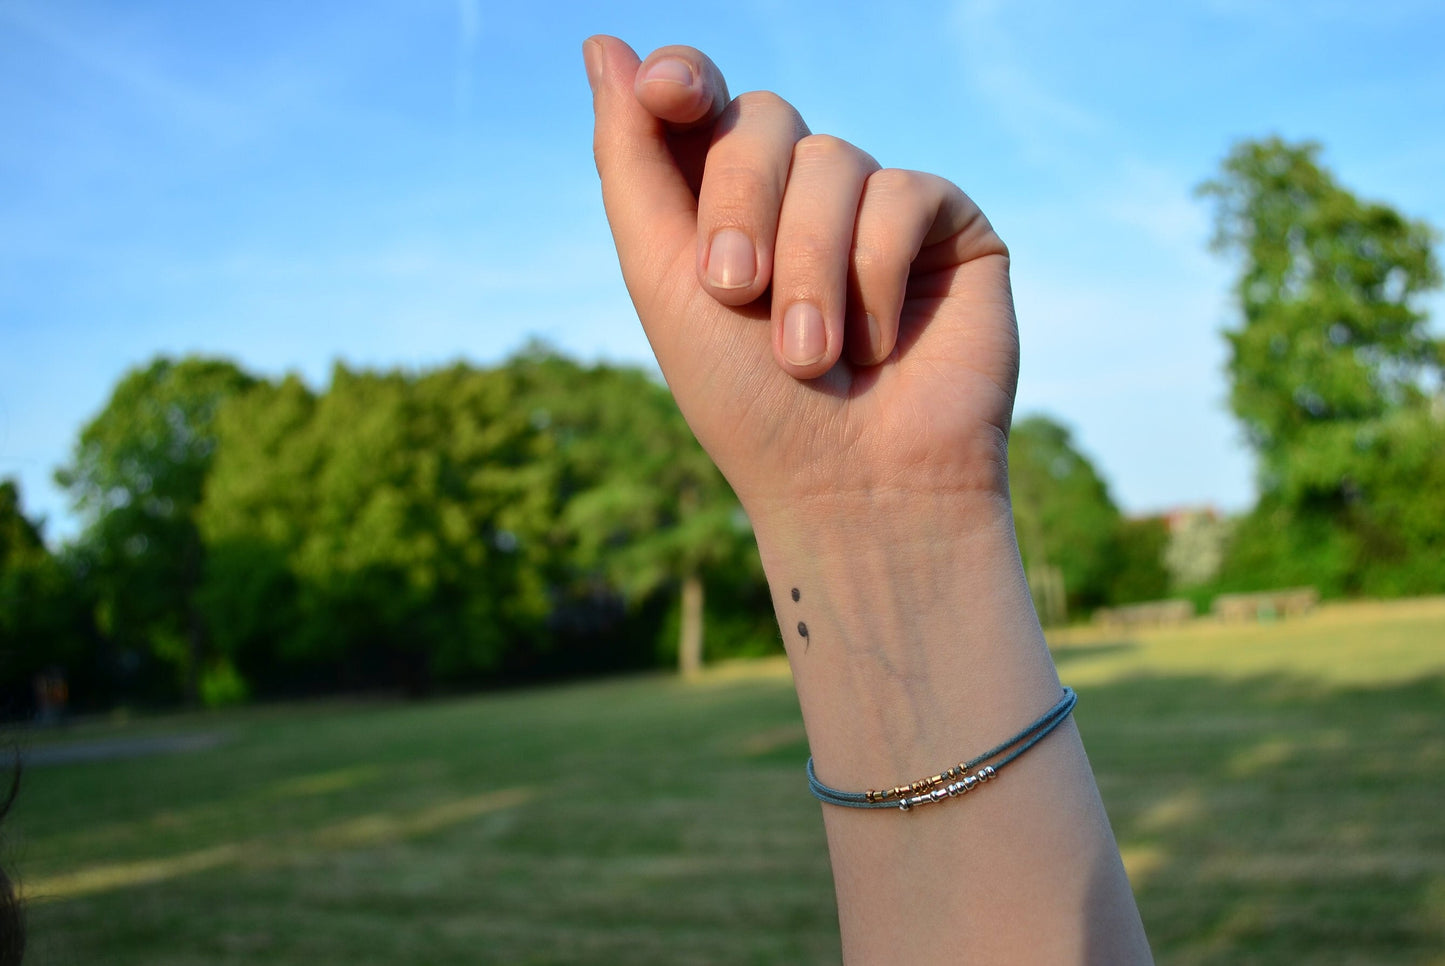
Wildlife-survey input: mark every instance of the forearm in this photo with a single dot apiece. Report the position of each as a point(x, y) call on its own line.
point(912, 637)
point(921, 650)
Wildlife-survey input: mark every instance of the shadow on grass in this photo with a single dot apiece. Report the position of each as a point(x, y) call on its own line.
point(1274, 819)
point(1072, 654)
point(1269, 819)
point(105, 749)
point(362, 831)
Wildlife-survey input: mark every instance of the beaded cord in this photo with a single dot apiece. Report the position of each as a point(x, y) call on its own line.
point(936, 788)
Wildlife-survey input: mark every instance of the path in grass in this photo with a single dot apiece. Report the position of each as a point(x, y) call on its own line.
point(1276, 791)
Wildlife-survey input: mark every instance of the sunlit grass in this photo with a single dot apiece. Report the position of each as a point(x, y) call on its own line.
point(1367, 643)
point(1276, 790)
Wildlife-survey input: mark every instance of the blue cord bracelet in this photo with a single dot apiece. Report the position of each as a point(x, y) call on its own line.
point(958, 780)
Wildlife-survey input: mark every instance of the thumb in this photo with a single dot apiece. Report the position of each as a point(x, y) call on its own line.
point(650, 206)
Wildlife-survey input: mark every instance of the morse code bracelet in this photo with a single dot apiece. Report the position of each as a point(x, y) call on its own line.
point(936, 788)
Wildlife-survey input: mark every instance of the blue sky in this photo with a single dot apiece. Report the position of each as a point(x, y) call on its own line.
point(404, 183)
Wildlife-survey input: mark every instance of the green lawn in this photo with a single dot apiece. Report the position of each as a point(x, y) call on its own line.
point(1279, 793)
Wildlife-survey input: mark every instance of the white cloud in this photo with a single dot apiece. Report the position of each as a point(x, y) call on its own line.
point(469, 35)
point(1158, 206)
point(993, 61)
point(126, 66)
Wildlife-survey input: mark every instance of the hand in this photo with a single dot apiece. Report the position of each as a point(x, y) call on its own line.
point(832, 331)
point(841, 339)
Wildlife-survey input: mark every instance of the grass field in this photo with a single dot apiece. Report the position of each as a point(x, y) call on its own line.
point(1278, 791)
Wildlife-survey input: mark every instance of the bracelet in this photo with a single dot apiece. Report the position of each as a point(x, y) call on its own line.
point(936, 788)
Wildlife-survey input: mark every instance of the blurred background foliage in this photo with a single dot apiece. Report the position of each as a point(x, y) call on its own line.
point(246, 538)
point(457, 527)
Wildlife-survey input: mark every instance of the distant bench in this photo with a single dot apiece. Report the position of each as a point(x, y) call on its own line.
point(1154, 613)
point(1266, 605)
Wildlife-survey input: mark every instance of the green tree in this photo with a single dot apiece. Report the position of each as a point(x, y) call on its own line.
point(1138, 571)
point(640, 505)
point(391, 529)
point(46, 615)
point(465, 523)
point(1068, 526)
point(1332, 368)
point(136, 479)
point(258, 510)
point(34, 631)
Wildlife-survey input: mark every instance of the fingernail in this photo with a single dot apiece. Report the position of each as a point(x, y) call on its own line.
point(731, 261)
point(592, 57)
point(804, 339)
point(669, 70)
point(875, 335)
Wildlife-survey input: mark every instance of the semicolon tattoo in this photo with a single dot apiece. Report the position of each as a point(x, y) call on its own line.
point(802, 628)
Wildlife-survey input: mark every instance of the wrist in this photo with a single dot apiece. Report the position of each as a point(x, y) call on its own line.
point(911, 633)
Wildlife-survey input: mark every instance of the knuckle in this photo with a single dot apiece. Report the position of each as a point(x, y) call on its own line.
point(737, 193)
point(809, 256)
point(822, 147)
point(759, 111)
point(898, 183)
point(753, 103)
point(823, 151)
point(870, 260)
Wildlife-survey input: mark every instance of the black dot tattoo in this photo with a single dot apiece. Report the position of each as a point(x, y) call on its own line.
point(802, 628)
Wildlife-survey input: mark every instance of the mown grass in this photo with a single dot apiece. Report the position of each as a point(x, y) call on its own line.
point(1277, 791)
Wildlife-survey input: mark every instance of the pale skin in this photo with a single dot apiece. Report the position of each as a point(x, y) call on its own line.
point(841, 338)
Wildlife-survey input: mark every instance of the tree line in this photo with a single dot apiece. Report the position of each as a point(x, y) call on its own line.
point(451, 527)
point(245, 537)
